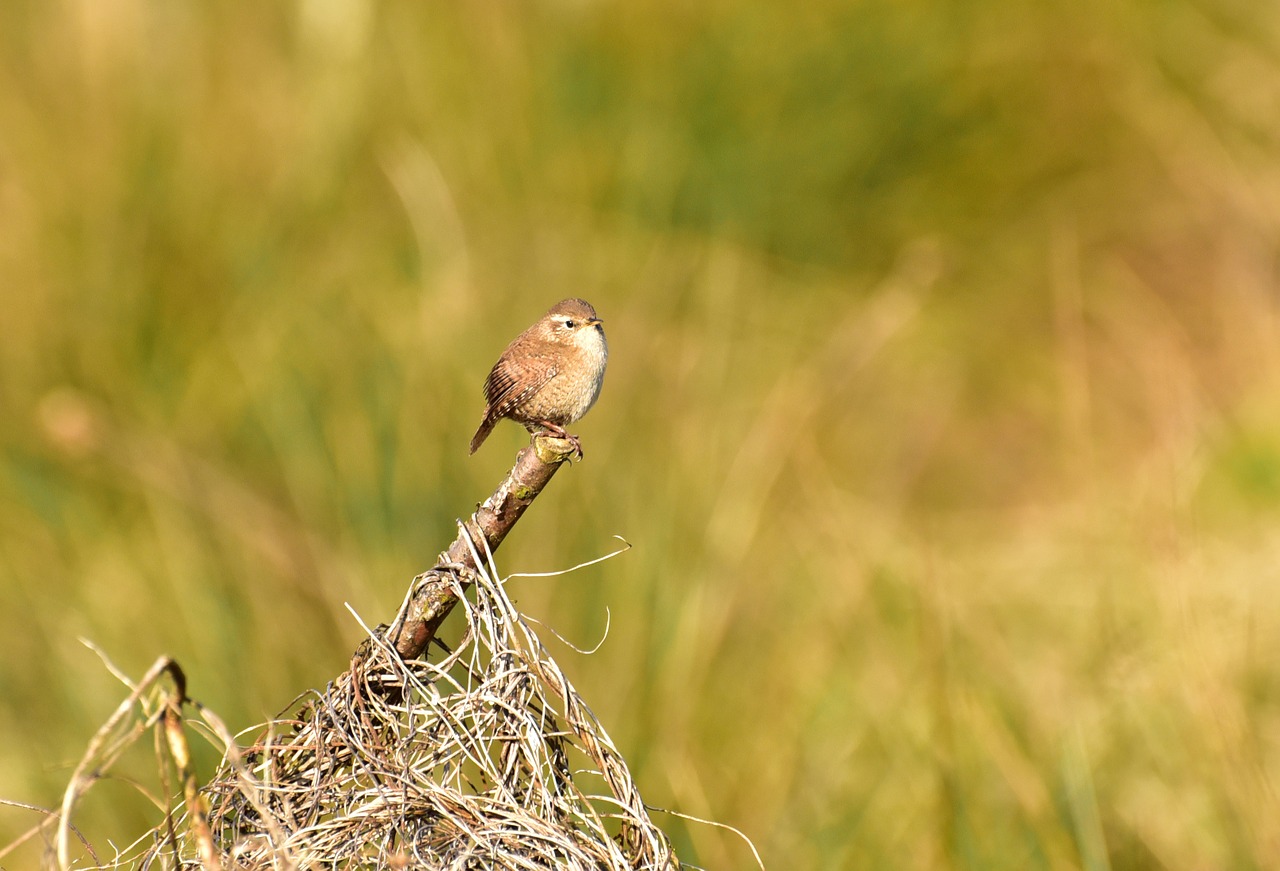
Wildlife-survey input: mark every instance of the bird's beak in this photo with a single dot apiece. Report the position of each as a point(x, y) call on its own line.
point(595, 322)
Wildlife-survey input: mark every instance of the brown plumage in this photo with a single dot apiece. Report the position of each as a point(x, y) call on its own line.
point(550, 375)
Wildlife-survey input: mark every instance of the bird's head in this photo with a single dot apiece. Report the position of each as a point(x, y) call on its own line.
point(573, 322)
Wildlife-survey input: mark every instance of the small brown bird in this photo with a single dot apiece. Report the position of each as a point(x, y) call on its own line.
point(550, 375)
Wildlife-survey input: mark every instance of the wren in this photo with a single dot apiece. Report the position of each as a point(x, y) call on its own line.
point(550, 375)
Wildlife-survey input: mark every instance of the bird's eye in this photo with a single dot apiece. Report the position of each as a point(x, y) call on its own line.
point(569, 324)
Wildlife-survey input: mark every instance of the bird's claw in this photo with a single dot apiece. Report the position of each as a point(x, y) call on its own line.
point(559, 433)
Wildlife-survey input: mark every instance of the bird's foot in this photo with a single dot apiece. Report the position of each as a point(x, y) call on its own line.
point(556, 431)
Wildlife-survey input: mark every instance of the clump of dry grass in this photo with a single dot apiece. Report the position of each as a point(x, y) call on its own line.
point(487, 758)
point(472, 761)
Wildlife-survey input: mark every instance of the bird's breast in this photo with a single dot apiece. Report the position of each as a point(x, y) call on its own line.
point(588, 375)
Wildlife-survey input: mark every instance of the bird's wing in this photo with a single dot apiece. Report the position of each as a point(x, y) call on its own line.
point(510, 383)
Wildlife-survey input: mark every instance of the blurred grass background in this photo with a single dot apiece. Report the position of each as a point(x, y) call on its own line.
point(942, 404)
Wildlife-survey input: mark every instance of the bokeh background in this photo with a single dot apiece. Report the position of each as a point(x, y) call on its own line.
point(943, 410)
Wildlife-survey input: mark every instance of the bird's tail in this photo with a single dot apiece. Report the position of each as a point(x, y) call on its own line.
point(486, 427)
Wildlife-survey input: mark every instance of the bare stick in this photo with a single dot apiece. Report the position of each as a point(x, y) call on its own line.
point(434, 591)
